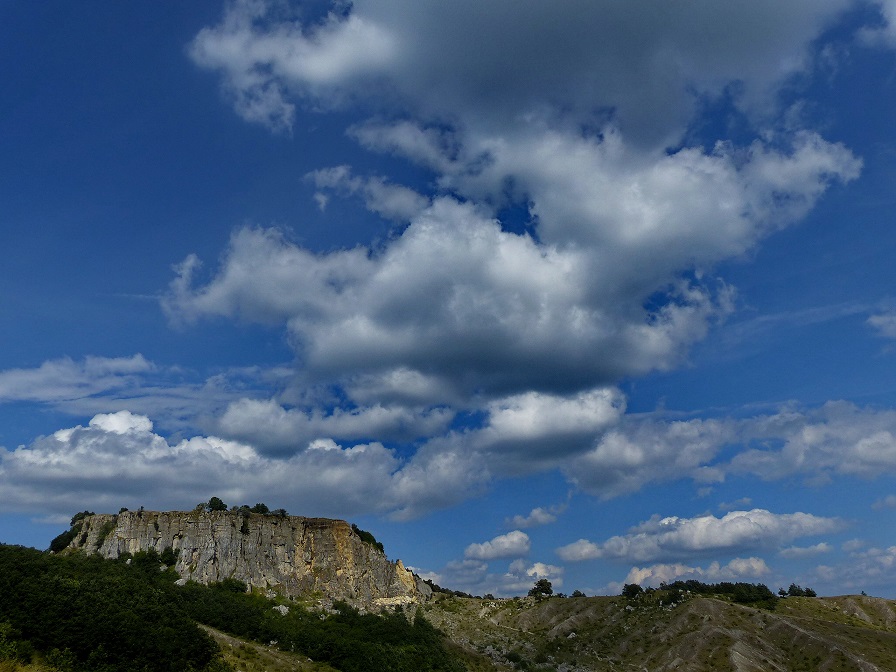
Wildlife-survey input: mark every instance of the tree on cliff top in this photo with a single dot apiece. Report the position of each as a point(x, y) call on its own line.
point(215, 504)
point(368, 538)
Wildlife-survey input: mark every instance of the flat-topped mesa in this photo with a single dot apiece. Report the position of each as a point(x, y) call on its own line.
point(290, 554)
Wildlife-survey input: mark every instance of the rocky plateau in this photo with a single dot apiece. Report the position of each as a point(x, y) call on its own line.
point(292, 555)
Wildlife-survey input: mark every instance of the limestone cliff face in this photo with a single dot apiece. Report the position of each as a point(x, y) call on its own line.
point(290, 554)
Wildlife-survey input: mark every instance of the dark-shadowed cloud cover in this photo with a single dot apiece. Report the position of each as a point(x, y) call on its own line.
point(597, 292)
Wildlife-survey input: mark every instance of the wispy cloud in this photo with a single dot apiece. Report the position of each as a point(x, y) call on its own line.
point(176, 398)
point(805, 551)
point(65, 380)
point(884, 324)
point(537, 516)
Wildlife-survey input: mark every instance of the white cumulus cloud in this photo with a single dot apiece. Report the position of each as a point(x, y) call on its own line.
point(118, 460)
point(272, 428)
point(392, 201)
point(645, 450)
point(836, 438)
point(511, 545)
point(503, 61)
point(579, 116)
point(457, 300)
point(673, 537)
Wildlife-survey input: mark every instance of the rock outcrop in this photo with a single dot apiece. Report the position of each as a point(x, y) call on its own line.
point(292, 555)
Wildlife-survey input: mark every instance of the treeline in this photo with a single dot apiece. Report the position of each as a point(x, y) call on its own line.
point(797, 591)
point(759, 590)
point(757, 594)
point(436, 588)
point(217, 504)
point(79, 613)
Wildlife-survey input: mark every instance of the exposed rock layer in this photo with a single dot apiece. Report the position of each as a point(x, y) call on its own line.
point(290, 554)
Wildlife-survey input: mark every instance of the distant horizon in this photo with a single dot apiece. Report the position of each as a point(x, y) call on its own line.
point(234, 509)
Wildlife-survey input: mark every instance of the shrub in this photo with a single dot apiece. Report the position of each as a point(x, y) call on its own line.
point(632, 590)
point(104, 532)
point(63, 540)
point(368, 538)
point(12, 647)
point(80, 516)
point(231, 586)
point(169, 556)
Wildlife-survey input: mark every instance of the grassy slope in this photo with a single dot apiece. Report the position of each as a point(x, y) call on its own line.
point(248, 656)
point(824, 634)
point(240, 654)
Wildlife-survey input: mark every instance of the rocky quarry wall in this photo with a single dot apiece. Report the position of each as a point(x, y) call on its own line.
point(293, 555)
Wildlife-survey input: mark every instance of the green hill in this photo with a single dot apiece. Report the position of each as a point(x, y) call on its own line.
point(72, 612)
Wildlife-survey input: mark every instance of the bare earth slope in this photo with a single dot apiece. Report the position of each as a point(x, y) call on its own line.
point(612, 633)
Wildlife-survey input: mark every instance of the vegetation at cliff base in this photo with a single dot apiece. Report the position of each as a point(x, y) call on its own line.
point(63, 540)
point(76, 612)
point(84, 613)
point(346, 639)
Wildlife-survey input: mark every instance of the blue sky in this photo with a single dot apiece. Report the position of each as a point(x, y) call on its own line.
point(596, 292)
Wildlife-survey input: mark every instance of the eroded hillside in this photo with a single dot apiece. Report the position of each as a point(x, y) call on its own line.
point(696, 634)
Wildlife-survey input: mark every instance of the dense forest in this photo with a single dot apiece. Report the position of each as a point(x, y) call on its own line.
point(81, 613)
